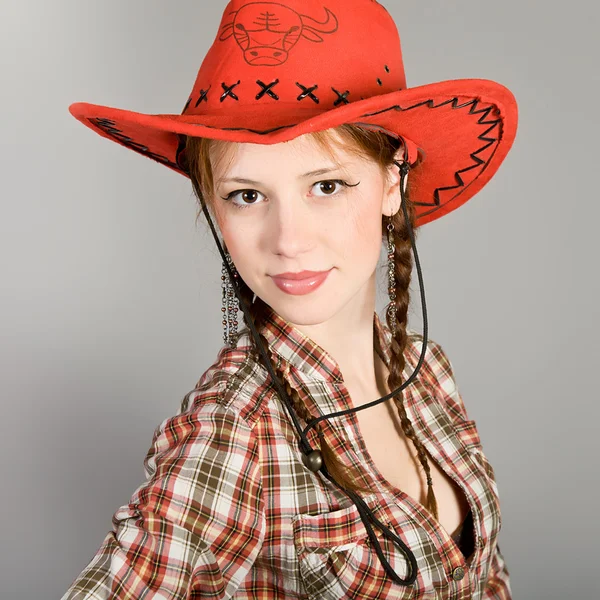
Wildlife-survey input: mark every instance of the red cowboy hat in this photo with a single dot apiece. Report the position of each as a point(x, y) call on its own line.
point(277, 70)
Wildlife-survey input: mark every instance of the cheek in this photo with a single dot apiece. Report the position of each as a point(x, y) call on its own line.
point(359, 233)
point(238, 245)
point(243, 244)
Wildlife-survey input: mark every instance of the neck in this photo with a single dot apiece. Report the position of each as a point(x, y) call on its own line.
point(349, 339)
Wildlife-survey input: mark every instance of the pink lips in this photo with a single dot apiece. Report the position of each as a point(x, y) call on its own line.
point(301, 283)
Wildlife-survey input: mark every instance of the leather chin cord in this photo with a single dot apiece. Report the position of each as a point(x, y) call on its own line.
point(312, 459)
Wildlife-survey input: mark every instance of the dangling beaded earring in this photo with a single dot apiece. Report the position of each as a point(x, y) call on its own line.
point(391, 311)
point(230, 304)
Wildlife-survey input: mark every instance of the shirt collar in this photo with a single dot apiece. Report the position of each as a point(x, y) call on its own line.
point(288, 343)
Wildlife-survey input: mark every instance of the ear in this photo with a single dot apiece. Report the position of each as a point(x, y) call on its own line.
point(392, 199)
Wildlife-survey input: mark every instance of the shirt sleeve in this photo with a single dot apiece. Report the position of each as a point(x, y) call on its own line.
point(195, 527)
point(442, 375)
point(498, 582)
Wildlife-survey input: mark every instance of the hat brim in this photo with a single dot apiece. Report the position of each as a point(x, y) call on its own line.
point(463, 129)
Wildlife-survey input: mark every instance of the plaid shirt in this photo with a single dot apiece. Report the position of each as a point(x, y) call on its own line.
point(229, 511)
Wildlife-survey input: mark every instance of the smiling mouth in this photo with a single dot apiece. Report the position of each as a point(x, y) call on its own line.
point(303, 285)
point(299, 275)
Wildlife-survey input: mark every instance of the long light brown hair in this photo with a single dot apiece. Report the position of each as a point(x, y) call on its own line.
point(203, 156)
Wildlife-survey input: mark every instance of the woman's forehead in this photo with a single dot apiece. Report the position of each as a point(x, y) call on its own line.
point(302, 155)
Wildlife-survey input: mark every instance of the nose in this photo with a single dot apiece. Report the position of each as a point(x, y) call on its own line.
point(291, 227)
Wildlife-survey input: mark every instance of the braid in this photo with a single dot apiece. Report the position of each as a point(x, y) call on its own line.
point(403, 271)
point(334, 466)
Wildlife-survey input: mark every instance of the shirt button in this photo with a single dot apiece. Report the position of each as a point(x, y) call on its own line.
point(458, 573)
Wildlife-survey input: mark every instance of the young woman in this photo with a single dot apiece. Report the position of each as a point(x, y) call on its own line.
point(324, 454)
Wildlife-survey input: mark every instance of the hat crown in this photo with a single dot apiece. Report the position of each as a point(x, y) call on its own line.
point(301, 56)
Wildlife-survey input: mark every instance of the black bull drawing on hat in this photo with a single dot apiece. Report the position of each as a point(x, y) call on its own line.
point(267, 31)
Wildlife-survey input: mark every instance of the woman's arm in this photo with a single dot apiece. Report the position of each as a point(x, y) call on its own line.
point(195, 527)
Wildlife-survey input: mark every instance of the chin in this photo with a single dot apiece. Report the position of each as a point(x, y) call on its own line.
point(300, 310)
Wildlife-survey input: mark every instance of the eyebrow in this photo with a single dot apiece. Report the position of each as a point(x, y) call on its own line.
point(304, 176)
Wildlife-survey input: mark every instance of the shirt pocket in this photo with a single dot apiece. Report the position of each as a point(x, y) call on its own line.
point(337, 560)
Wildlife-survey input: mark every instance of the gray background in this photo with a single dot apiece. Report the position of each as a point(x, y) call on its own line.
point(111, 295)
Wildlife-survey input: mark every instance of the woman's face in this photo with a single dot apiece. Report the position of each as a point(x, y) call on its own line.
point(290, 211)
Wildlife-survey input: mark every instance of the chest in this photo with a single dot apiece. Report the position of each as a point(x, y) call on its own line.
point(394, 457)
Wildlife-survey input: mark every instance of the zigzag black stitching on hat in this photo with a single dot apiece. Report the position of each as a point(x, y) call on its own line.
point(341, 97)
point(484, 112)
point(109, 127)
point(379, 82)
point(307, 92)
point(187, 104)
point(228, 91)
point(387, 69)
point(267, 89)
point(203, 97)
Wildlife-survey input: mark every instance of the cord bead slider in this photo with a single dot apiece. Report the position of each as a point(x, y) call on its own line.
point(313, 461)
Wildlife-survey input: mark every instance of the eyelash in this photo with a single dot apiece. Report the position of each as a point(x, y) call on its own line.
point(229, 196)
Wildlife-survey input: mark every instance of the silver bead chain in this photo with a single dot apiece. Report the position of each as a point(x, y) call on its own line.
point(230, 305)
point(391, 311)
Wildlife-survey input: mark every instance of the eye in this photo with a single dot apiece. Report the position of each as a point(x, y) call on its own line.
point(249, 196)
point(328, 186)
